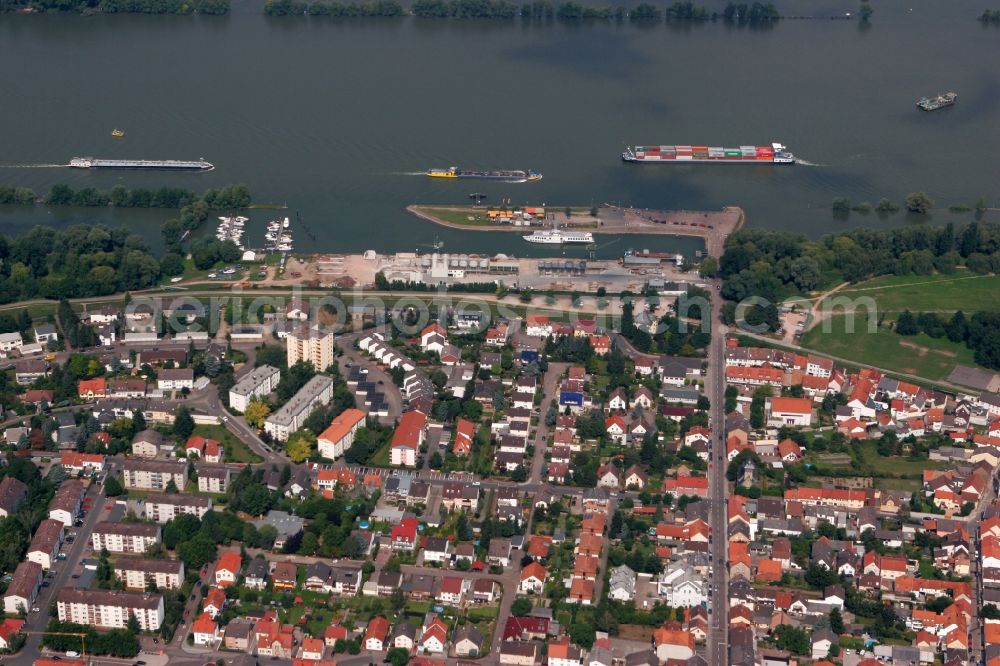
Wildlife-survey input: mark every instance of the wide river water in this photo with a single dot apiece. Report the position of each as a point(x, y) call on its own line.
point(338, 118)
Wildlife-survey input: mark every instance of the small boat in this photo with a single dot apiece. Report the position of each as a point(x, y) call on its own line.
point(117, 133)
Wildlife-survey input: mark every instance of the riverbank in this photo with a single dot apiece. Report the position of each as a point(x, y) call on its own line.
point(711, 226)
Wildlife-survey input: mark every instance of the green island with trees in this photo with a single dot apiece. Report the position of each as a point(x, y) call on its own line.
point(207, 7)
point(915, 202)
point(755, 13)
point(228, 197)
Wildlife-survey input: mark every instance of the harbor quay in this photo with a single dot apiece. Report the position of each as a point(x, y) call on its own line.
point(712, 226)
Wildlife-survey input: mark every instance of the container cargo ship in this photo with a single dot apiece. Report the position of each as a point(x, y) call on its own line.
point(558, 237)
point(512, 176)
point(773, 154)
point(165, 165)
point(939, 102)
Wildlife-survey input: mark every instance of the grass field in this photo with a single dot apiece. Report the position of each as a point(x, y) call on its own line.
point(915, 355)
point(381, 457)
point(899, 466)
point(452, 216)
point(959, 291)
point(236, 450)
point(891, 473)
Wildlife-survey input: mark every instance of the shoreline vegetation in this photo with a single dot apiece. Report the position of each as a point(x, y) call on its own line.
point(230, 196)
point(95, 260)
point(915, 202)
point(87, 7)
point(756, 13)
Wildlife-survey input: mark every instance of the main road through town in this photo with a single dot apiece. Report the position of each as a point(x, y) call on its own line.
point(714, 389)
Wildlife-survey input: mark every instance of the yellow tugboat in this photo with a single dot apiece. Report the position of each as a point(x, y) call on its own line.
point(117, 133)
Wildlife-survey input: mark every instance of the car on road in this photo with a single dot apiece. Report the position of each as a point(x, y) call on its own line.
point(74, 576)
point(35, 609)
point(45, 583)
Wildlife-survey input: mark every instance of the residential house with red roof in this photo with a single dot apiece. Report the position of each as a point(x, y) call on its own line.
point(465, 432)
point(532, 579)
point(404, 535)
point(376, 634)
point(696, 486)
point(92, 389)
point(205, 630)
point(227, 570)
point(673, 643)
point(434, 638)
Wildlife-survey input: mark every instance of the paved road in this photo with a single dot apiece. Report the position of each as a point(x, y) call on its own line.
point(36, 622)
point(550, 388)
point(718, 653)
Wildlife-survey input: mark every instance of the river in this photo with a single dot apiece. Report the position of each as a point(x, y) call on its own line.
point(338, 118)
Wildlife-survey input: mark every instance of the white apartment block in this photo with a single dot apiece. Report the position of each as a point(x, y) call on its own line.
point(124, 537)
point(164, 507)
point(136, 572)
point(109, 610)
point(258, 383)
point(45, 544)
point(317, 391)
point(213, 479)
point(154, 474)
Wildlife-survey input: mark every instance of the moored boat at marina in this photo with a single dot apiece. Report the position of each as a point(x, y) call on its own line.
point(558, 237)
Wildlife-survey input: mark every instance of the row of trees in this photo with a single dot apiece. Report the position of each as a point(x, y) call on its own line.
point(121, 643)
point(741, 13)
point(213, 7)
point(119, 197)
point(980, 333)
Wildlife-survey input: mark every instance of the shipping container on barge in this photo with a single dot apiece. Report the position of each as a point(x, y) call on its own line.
point(162, 165)
point(776, 153)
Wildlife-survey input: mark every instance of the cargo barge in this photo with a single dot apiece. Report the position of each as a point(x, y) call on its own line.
point(163, 165)
point(508, 176)
point(773, 154)
point(939, 102)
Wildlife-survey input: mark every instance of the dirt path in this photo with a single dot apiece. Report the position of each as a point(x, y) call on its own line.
point(816, 315)
point(915, 284)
